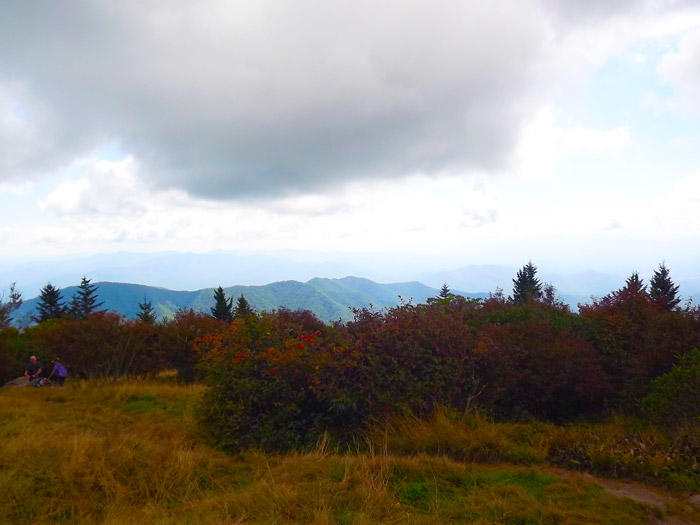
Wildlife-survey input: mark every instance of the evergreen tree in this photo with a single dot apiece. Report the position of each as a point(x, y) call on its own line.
point(147, 314)
point(445, 296)
point(662, 289)
point(14, 302)
point(50, 305)
point(223, 307)
point(243, 308)
point(634, 285)
point(527, 287)
point(445, 292)
point(84, 301)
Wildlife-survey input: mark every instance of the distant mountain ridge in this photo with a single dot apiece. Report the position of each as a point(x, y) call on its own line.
point(329, 299)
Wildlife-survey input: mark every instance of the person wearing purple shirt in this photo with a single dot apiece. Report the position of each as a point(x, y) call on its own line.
point(60, 371)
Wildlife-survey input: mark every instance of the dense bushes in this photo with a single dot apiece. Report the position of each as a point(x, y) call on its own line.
point(260, 370)
point(282, 379)
point(10, 342)
point(675, 397)
point(176, 336)
point(107, 345)
point(280, 386)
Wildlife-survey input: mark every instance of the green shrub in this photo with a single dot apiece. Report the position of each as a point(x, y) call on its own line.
point(10, 366)
point(675, 396)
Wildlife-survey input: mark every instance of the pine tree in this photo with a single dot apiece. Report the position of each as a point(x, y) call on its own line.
point(445, 292)
point(527, 287)
point(223, 307)
point(634, 285)
point(15, 301)
point(50, 305)
point(662, 289)
point(243, 308)
point(147, 314)
point(84, 301)
point(445, 296)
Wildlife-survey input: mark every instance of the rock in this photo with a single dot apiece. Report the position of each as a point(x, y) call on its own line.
point(20, 381)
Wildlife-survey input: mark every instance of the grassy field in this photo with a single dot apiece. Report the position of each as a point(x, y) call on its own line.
point(129, 452)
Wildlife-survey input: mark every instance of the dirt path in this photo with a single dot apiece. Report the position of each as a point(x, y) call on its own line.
point(677, 510)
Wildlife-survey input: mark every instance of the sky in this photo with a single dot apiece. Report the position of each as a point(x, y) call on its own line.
point(484, 132)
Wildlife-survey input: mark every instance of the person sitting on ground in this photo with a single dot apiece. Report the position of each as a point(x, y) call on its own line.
point(60, 371)
point(33, 370)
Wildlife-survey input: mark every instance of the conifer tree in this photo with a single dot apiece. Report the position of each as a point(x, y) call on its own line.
point(662, 289)
point(635, 285)
point(223, 307)
point(243, 308)
point(445, 292)
point(444, 296)
point(526, 286)
point(147, 314)
point(50, 305)
point(84, 301)
point(6, 309)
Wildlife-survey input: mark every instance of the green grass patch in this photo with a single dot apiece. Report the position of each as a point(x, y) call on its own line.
point(131, 452)
point(140, 403)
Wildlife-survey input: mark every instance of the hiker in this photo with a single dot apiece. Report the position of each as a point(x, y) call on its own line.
point(33, 370)
point(60, 371)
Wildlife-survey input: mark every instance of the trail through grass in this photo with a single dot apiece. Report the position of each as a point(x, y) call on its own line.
point(129, 452)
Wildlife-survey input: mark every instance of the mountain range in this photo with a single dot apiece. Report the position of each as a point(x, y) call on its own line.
point(329, 299)
point(310, 281)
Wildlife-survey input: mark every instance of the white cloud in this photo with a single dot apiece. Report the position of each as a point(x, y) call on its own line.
point(543, 143)
point(110, 188)
point(110, 207)
point(578, 139)
point(681, 68)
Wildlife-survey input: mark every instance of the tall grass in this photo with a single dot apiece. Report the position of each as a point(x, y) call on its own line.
point(129, 452)
point(621, 447)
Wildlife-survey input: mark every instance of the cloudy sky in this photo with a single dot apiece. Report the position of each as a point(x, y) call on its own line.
point(562, 131)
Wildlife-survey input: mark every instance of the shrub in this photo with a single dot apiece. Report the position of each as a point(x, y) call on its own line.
point(261, 391)
point(178, 335)
point(103, 345)
point(675, 396)
point(10, 366)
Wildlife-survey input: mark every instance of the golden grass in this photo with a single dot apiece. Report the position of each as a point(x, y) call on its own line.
point(619, 448)
point(129, 452)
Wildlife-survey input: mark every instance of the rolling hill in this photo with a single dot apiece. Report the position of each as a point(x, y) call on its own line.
point(329, 299)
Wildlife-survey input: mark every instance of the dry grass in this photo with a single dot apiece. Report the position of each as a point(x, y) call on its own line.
point(618, 448)
point(128, 452)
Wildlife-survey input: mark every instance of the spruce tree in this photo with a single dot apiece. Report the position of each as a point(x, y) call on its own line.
point(50, 305)
point(445, 292)
point(662, 289)
point(223, 307)
point(84, 301)
point(6, 309)
point(243, 308)
point(526, 286)
point(635, 285)
point(147, 314)
point(444, 296)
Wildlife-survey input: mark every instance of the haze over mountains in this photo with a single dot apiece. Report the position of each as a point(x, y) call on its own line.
point(172, 280)
point(329, 299)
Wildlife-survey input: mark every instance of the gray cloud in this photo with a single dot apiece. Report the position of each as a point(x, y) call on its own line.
point(266, 97)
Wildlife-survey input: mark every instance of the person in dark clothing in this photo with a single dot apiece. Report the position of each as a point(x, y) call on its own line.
point(33, 370)
point(59, 371)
